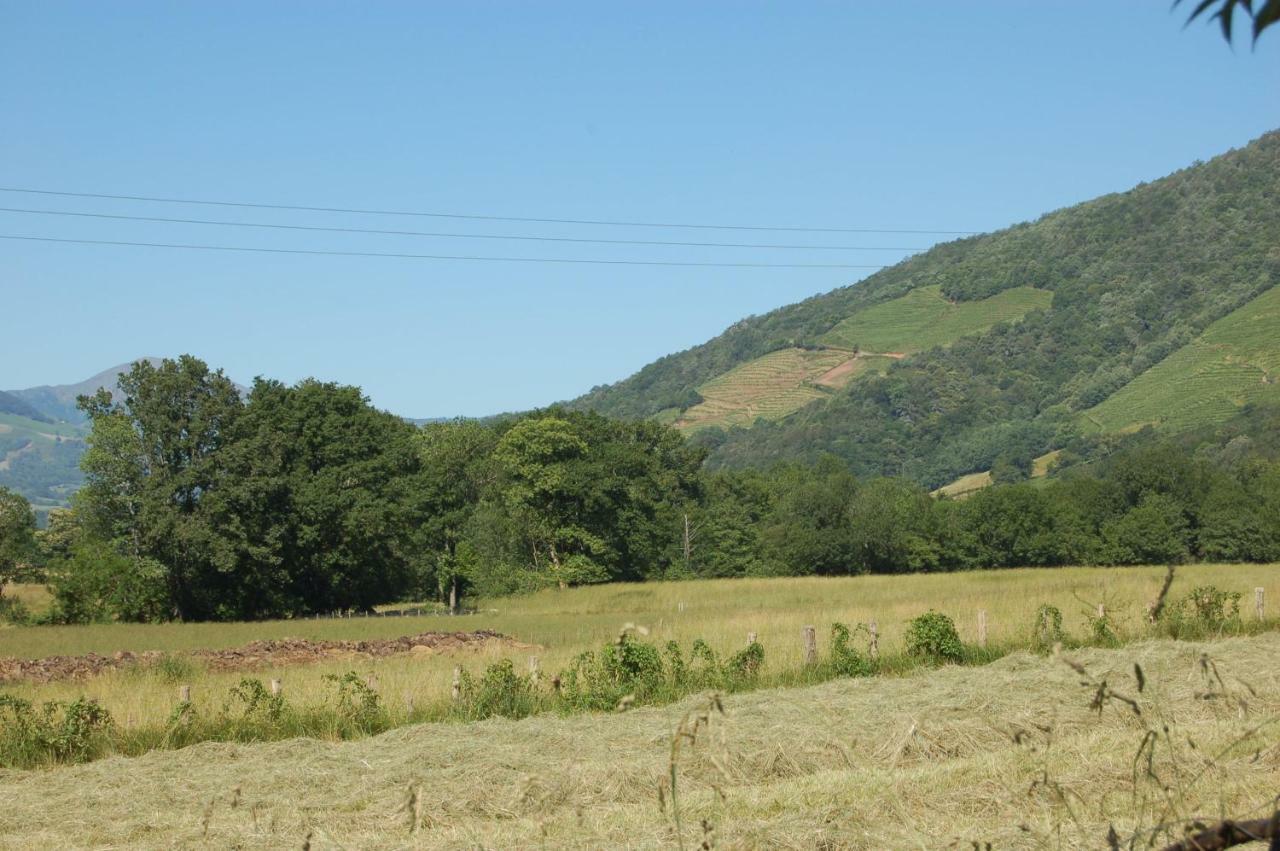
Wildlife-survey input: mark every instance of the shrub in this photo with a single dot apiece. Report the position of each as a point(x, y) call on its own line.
point(358, 704)
point(1047, 629)
point(14, 611)
point(1206, 609)
point(746, 663)
point(846, 661)
point(260, 705)
point(1102, 630)
point(95, 583)
point(627, 668)
point(56, 732)
point(499, 692)
point(933, 636)
point(1213, 607)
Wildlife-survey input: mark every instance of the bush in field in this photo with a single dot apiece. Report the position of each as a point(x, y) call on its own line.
point(499, 692)
point(1046, 631)
point(1213, 607)
point(56, 732)
point(1102, 630)
point(1206, 610)
point(846, 661)
point(358, 704)
point(627, 668)
point(746, 663)
point(95, 583)
point(932, 636)
point(258, 704)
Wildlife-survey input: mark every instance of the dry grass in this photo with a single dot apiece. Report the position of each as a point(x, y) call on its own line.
point(35, 597)
point(1009, 754)
point(563, 623)
point(771, 386)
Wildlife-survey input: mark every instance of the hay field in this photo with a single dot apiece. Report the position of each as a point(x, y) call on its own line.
point(564, 623)
point(924, 318)
point(1010, 753)
point(1234, 362)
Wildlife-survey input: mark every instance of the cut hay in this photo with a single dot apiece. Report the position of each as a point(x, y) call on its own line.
point(1011, 754)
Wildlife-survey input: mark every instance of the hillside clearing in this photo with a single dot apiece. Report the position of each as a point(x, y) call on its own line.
point(924, 318)
point(1234, 362)
point(771, 387)
point(947, 756)
point(974, 482)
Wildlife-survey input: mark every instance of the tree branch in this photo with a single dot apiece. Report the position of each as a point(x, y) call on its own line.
point(1230, 833)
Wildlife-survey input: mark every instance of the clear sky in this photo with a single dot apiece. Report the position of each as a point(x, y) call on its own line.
point(927, 115)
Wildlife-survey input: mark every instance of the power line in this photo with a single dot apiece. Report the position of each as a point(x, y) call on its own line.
point(441, 256)
point(605, 222)
point(458, 235)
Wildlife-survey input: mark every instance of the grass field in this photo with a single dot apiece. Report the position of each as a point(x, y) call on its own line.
point(1234, 362)
point(924, 318)
point(1010, 754)
point(564, 623)
point(965, 485)
point(970, 484)
point(771, 387)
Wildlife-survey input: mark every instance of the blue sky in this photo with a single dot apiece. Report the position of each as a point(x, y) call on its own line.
point(950, 116)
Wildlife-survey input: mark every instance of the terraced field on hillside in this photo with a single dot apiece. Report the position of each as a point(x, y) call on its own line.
point(771, 387)
point(1234, 362)
point(924, 318)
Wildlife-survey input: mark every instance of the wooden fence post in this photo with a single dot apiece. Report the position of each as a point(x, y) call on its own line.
point(810, 646)
point(873, 649)
point(184, 694)
point(982, 628)
point(457, 681)
point(276, 688)
point(751, 638)
point(1260, 602)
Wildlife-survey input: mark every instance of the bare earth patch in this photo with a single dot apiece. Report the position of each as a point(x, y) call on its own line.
point(257, 654)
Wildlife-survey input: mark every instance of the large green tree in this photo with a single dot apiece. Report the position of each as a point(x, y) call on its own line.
point(152, 461)
point(455, 471)
point(315, 503)
point(17, 534)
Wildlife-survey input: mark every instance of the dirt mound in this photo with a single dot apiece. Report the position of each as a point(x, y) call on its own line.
point(257, 654)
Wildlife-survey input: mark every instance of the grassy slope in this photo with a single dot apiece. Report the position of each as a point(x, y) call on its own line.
point(770, 387)
point(924, 318)
point(782, 382)
point(39, 459)
point(932, 760)
point(974, 482)
point(1235, 361)
point(1133, 274)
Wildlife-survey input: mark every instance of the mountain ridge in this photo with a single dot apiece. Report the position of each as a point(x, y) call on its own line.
point(1134, 276)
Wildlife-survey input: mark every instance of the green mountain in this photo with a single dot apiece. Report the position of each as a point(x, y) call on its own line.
point(1134, 308)
point(11, 404)
point(42, 436)
point(59, 401)
point(40, 459)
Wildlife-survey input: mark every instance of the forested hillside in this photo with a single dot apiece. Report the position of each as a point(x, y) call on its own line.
point(1129, 279)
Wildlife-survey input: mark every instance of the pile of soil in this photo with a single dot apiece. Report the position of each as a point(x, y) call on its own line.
point(257, 654)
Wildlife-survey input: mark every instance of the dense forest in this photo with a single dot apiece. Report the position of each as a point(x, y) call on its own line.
point(1134, 277)
point(291, 500)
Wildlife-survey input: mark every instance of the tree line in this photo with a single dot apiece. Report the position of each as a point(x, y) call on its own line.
point(294, 500)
